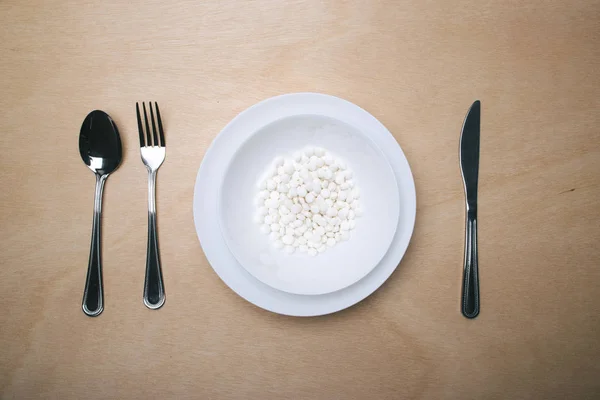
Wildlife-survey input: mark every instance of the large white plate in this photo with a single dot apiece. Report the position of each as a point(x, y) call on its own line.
point(340, 266)
point(212, 172)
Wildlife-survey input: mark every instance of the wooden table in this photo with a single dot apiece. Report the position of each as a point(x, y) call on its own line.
point(416, 66)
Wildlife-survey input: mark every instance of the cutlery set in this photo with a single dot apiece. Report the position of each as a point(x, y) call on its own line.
point(101, 150)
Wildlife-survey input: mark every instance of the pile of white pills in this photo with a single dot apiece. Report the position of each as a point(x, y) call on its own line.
point(308, 202)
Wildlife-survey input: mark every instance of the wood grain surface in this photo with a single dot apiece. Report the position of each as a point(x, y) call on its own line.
point(416, 65)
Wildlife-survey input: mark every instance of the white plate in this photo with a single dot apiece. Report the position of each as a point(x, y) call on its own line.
point(212, 172)
point(339, 266)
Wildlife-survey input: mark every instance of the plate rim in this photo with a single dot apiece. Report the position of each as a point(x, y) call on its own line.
point(272, 299)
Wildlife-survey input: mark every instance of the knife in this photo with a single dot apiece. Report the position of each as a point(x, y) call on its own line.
point(469, 165)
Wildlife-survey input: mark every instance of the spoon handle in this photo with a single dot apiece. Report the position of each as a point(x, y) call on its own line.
point(93, 295)
point(154, 289)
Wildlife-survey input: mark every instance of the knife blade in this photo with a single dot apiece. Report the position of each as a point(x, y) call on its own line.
point(469, 165)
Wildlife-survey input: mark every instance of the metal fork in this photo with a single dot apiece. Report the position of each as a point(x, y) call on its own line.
point(153, 155)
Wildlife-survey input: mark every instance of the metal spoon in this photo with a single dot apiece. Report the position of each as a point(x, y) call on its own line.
point(100, 149)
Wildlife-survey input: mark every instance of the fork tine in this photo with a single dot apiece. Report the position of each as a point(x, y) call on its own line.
point(154, 134)
point(140, 128)
point(148, 135)
point(160, 126)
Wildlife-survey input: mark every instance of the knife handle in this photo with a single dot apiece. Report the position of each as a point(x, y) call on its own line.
point(470, 288)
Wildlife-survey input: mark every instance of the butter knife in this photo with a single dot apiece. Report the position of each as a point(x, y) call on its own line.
point(469, 165)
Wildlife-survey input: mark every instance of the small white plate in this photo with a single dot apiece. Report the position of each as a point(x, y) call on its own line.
point(345, 263)
point(211, 175)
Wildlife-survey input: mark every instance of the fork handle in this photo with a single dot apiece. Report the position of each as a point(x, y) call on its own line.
point(470, 289)
point(154, 290)
point(93, 294)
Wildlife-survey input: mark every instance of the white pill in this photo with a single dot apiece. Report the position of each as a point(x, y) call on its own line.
point(329, 228)
point(263, 210)
point(320, 231)
point(262, 184)
point(334, 195)
point(331, 212)
point(314, 209)
point(300, 216)
point(343, 213)
point(339, 179)
point(302, 191)
point(328, 159)
point(275, 227)
point(278, 161)
point(324, 184)
point(312, 252)
point(288, 167)
point(336, 228)
point(287, 239)
point(331, 242)
point(289, 231)
point(289, 249)
point(328, 173)
point(305, 207)
point(341, 204)
point(329, 234)
point(323, 239)
point(345, 226)
point(264, 228)
point(297, 224)
point(281, 231)
point(285, 178)
point(325, 193)
point(319, 151)
point(302, 240)
point(351, 214)
point(329, 202)
point(342, 195)
point(345, 235)
point(278, 244)
point(352, 224)
point(274, 236)
point(271, 184)
point(303, 248)
point(268, 220)
point(322, 249)
point(338, 237)
point(310, 198)
point(309, 151)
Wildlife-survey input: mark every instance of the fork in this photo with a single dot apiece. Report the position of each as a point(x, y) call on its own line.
point(153, 155)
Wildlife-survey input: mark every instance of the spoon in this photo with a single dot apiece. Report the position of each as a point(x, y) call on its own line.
point(100, 149)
